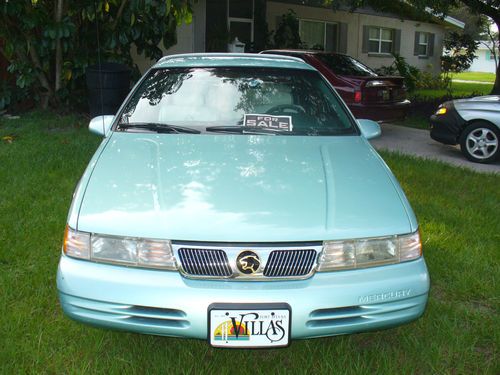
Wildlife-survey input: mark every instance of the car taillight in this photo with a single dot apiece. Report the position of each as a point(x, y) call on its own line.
point(357, 96)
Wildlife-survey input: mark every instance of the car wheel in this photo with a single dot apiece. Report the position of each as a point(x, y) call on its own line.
point(480, 142)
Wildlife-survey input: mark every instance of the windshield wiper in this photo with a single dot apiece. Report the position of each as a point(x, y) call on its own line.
point(158, 127)
point(246, 130)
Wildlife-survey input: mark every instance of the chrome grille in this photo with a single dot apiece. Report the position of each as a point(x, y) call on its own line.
point(205, 262)
point(283, 263)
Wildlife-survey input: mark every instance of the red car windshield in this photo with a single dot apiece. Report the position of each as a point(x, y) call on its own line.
point(345, 65)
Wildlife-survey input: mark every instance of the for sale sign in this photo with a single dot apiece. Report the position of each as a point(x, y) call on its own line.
point(283, 123)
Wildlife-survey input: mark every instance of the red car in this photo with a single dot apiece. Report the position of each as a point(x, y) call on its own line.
point(367, 94)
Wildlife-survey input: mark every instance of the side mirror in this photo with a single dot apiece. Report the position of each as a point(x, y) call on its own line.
point(370, 129)
point(101, 125)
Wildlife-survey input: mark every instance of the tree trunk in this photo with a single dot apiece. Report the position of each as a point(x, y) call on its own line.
point(119, 14)
point(58, 62)
point(44, 82)
point(496, 86)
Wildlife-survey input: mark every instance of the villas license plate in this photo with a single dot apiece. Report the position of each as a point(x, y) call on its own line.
point(249, 325)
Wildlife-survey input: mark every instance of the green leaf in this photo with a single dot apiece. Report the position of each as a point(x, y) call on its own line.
point(123, 38)
point(112, 42)
point(135, 32)
point(9, 49)
point(188, 17)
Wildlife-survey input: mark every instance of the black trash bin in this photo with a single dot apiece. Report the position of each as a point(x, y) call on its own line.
point(114, 81)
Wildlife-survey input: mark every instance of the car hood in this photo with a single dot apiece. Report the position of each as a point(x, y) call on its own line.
point(480, 107)
point(242, 188)
point(490, 99)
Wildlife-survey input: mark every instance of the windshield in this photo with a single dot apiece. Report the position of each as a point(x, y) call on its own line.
point(236, 99)
point(345, 65)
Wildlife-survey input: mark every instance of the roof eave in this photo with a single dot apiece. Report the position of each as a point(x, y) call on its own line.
point(447, 19)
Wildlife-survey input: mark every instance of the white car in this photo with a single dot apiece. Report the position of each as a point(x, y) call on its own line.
point(473, 123)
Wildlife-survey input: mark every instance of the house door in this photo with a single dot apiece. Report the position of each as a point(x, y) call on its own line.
point(226, 20)
point(240, 14)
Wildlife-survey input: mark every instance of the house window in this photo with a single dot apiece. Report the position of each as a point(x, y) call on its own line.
point(423, 44)
point(318, 35)
point(240, 20)
point(380, 40)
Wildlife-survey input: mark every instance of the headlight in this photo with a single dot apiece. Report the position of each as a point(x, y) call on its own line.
point(138, 252)
point(441, 111)
point(76, 244)
point(369, 252)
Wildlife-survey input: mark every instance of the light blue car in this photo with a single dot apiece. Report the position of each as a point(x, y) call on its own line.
point(234, 198)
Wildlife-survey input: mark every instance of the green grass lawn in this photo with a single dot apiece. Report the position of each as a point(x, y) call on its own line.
point(475, 76)
point(414, 121)
point(458, 89)
point(459, 333)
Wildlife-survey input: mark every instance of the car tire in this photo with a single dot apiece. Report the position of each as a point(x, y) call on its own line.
point(480, 142)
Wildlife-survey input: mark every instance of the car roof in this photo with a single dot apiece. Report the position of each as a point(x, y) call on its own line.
point(300, 52)
point(231, 60)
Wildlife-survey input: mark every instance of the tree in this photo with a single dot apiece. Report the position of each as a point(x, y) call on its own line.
point(489, 8)
point(441, 8)
point(49, 43)
point(491, 40)
point(474, 23)
point(459, 53)
point(287, 32)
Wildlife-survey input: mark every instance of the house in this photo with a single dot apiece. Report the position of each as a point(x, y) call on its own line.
point(485, 61)
point(365, 34)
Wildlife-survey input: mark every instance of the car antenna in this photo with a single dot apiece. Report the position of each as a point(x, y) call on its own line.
point(99, 68)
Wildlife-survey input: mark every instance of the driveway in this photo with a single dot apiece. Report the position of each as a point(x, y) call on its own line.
point(417, 142)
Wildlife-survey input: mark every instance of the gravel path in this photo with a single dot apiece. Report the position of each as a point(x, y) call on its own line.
point(417, 142)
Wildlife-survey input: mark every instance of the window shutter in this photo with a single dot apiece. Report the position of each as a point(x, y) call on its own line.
point(332, 37)
point(415, 47)
point(397, 41)
point(430, 50)
point(366, 34)
point(488, 55)
point(342, 48)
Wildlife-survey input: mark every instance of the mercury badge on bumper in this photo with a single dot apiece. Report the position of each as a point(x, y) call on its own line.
point(234, 198)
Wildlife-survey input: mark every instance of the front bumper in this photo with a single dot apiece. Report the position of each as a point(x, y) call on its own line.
point(448, 127)
point(165, 303)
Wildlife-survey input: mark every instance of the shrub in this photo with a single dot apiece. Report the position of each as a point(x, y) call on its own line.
point(427, 80)
point(48, 44)
point(410, 73)
point(287, 32)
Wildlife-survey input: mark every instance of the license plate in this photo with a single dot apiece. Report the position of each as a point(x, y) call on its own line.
point(249, 325)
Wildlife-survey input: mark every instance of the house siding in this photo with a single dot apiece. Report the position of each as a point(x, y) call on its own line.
point(356, 21)
point(192, 37)
point(483, 63)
